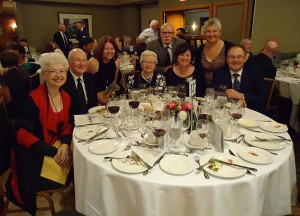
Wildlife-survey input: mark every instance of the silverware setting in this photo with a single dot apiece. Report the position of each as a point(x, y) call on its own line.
point(155, 163)
point(273, 153)
point(140, 159)
point(258, 139)
point(232, 164)
point(111, 158)
point(197, 159)
point(101, 138)
point(238, 139)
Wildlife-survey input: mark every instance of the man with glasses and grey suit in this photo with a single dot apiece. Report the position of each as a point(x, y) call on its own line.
point(165, 47)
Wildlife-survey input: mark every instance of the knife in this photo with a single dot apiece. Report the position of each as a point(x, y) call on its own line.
point(97, 134)
point(232, 164)
point(140, 159)
point(155, 163)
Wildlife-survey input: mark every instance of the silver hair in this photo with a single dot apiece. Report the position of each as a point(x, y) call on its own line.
point(71, 53)
point(153, 22)
point(244, 40)
point(165, 25)
point(60, 24)
point(148, 53)
point(53, 58)
point(212, 22)
point(271, 46)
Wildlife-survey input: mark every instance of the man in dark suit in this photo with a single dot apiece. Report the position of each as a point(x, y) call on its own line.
point(165, 47)
point(81, 33)
point(61, 39)
point(244, 82)
point(80, 86)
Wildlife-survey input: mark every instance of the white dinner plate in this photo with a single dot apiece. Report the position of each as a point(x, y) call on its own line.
point(223, 170)
point(273, 127)
point(247, 123)
point(86, 132)
point(103, 147)
point(233, 136)
point(127, 165)
point(272, 145)
point(177, 164)
point(188, 144)
point(98, 109)
point(255, 155)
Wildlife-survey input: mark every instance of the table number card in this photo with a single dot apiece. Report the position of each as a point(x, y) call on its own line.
point(217, 138)
point(192, 88)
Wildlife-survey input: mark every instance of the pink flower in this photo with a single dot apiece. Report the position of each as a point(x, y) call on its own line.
point(172, 105)
point(186, 106)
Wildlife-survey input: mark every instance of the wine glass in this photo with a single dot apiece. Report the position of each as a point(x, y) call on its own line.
point(202, 128)
point(185, 120)
point(181, 91)
point(113, 106)
point(174, 132)
point(237, 111)
point(159, 129)
point(210, 94)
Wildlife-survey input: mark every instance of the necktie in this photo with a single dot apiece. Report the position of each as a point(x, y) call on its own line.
point(81, 97)
point(65, 40)
point(236, 82)
point(168, 55)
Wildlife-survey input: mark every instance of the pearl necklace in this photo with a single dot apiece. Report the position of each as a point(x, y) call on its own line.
point(148, 80)
point(186, 74)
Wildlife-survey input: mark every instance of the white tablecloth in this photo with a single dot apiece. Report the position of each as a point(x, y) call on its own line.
point(102, 190)
point(290, 87)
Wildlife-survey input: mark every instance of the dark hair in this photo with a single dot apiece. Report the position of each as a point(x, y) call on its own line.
point(181, 29)
point(19, 48)
point(237, 46)
point(182, 48)
point(9, 58)
point(23, 40)
point(51, 46)
point(141, 47)
point(99, 51)
point(87, 41)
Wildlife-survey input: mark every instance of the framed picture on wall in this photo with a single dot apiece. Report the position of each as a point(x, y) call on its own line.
point(1, 32)
point(70, 22)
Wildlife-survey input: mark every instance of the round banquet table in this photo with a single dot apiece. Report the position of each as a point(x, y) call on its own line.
point(102, 190)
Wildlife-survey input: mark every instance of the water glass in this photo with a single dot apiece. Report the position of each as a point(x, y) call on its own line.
point(174, 133)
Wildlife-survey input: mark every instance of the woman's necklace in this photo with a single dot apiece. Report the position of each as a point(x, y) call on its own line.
point(60, 124)
point(148, 80)
point(185, 73)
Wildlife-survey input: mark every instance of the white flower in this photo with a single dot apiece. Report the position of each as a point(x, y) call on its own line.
point(182, 115)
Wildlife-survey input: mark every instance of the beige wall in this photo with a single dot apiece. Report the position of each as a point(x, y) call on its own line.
point(38, 22)
point(280, 20)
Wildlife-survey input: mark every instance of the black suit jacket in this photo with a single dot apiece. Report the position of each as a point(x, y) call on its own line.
point(90, 87)
point(57, 38)
point(81, 35)
point(252, 86)
point(263, 62)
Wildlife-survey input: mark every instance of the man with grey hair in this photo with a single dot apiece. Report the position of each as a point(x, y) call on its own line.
point(150, 33)
point(165, 47)
point(246, 43)
point(81, 86)
point(61, 39)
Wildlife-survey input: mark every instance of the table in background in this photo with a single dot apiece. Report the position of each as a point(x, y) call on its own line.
point(289, 87)
point(102, 190)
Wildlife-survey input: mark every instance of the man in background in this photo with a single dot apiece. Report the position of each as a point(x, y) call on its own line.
point(61, 39)
point(81, 33)
point(150, 33)
point(165, 47)
point(88, 46)
point(246, 43)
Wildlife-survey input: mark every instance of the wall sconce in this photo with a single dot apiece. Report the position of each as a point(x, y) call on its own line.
point(194, 26)
point(182, 0)
point(14, 34)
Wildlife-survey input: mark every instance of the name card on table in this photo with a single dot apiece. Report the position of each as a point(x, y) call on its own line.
point(217, 138)
point(192, 88)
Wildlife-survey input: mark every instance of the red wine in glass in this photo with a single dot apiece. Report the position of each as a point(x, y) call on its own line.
point(203, 134)
point(113, 109)
point(134, 104)
point(236, 116)
point(159, 132)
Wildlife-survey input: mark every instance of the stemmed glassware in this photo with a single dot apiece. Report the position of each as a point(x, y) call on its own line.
point(174, 132)
point(185, 120)
point(113, 106)
point(202, 128)
point(181, 91)
point(236, 111)
point(159, 129)
point(210, 95)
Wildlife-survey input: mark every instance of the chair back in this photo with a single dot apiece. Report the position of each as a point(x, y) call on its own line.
point(34, 81)
point(270, 85)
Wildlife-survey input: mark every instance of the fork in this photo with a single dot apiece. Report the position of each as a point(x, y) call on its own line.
point(197, 159)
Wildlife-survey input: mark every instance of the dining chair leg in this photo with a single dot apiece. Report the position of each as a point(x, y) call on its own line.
point(48, 196)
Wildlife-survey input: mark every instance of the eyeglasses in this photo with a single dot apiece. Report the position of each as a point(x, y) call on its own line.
point(54, 72)
point(239, 57)
point(145, 62)
point(167, 32)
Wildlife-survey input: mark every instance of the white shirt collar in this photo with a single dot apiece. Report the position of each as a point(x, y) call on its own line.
point(239, 72)
point(170, 45)
point(75, 77)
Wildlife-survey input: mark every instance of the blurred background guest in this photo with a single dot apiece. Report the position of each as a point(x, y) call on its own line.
point(45, 124)
point(184, 72)
point(150, 33)
point(88, 46)
point(105, 65)
point(61, 39)
point(51, 46)
point(29, 50)
point(141, 47)
point(212, 55)
point(82, 32)
point(148, 76)
point(14, 83)
point(246, 43)
point(121, 47)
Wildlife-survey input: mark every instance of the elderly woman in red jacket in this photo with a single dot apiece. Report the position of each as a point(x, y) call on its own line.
point(44, 130)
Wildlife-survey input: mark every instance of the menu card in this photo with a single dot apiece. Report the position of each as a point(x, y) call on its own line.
point(218, 138)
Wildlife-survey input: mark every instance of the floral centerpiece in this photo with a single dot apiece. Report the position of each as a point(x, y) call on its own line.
point(178, 109)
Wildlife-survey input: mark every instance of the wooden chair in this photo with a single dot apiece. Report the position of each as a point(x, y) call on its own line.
point(47, 194)
point(272, 108)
